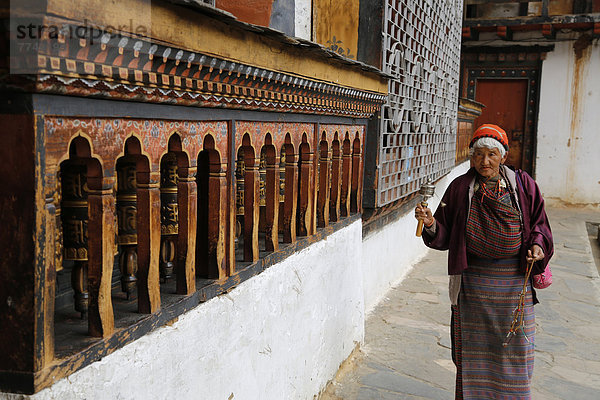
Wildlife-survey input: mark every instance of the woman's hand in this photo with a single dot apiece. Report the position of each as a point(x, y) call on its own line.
point(535, 253)
point(424, 213)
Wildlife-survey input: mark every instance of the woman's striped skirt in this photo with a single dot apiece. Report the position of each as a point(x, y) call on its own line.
point(485, 368)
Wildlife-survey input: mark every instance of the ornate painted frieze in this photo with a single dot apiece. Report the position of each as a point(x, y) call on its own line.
point(126, 68)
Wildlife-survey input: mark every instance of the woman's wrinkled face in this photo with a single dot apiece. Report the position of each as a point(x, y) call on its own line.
point(487, 161)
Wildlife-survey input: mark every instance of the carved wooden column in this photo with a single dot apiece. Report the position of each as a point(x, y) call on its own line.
point(251, 209)
point(52, 251)
point(336, 185)
point(217, 198)
point(355, 195)
point(346, 178)
point(272, 205)
point(291, 198)
point(186, 245)
point(148, 224)
point(305, 200)
point(324, 187)
point(101, 242)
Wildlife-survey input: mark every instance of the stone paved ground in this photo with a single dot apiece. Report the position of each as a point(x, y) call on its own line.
point(406, 354)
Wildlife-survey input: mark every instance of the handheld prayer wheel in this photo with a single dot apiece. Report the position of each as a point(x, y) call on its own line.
point(240, 171)
point(426, 191)
point(169, 215)
point(127, 223)
point(74, 215)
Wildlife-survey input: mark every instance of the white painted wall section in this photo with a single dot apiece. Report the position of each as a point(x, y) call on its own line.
point(279, 335)
point(390, 253)
point(568, 144)
point(303, 16)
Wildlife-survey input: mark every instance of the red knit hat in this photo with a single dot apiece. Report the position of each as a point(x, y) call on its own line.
point(491, 131)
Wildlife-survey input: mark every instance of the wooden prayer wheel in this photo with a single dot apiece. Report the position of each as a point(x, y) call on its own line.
point(262, 175)
point(281, 187)
point(169, 215)
point(127, 223)
point(74, 215)
point(282, 179)
point(262, 191)
point(240, 171)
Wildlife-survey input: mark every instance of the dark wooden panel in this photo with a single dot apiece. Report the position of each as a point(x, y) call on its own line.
point(17, 218)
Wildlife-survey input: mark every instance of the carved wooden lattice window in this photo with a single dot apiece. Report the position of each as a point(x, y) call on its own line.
point(418, 125)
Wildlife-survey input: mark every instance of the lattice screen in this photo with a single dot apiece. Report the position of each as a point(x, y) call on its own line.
point(421, 50)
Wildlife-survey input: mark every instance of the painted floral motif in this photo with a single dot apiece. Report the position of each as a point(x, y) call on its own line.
point(336, 45)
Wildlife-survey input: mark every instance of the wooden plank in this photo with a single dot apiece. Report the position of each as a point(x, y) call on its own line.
point(101, 247)
point(336, 183)
point(251, 208)
point(290, 197)
point(217, 214)
point(346, 177)
point(22, 269)
point(186, 245)
point(148, 223)
point(355, 179)
point(305, 200)
point(324, 182)
point(272, 204)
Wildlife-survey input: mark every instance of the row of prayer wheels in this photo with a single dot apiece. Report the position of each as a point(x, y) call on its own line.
point(73, 217)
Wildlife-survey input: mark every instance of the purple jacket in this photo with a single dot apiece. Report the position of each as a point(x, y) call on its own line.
point(451, 222)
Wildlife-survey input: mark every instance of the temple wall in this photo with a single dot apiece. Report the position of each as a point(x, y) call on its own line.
point(567, 162)
point(391, 252)
point(279, 335)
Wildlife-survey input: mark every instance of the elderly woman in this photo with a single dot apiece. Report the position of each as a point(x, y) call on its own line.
point(493, 223)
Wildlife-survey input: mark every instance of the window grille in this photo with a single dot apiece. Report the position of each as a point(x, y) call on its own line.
point(421, 49)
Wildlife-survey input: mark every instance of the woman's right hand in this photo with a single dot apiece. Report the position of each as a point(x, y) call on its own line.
point(424, 213)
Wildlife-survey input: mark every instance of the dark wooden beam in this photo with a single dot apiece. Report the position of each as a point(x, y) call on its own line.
point(533, 20)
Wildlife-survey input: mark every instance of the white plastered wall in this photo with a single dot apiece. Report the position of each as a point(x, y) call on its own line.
point(568, 140)
point(391, 252)
point(303, 17)
point(279, 335)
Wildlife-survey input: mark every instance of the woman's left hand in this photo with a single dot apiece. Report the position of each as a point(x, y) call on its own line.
point(535, 253)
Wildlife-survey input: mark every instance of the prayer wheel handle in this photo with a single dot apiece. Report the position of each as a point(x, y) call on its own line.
point(427, 190)
point(421, 222)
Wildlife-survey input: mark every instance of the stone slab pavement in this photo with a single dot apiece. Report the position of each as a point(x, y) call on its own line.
point(406, 354)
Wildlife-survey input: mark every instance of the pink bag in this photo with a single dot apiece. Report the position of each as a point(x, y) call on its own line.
point(543, 280)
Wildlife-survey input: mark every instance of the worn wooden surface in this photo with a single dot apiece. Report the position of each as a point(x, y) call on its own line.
point(148, 197)
point(101, 236)
point(346, 179)
point(291, 197)
point(251, 208)
point(18, 203)
point(356, 176)
point(272, 204)
point(336, 182)
point(324, 193)
point(186, 245)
